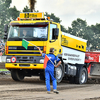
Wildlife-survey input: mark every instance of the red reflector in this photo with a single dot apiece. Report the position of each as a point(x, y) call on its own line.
point(18, 19)
point(13, 59)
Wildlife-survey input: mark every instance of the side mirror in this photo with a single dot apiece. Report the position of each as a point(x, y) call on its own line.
point(55, 33)
point(5, 35)
point(5, 28)
point(5, 31)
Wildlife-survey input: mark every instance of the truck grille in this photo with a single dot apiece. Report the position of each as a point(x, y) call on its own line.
point(22, 50)
point(26, 59)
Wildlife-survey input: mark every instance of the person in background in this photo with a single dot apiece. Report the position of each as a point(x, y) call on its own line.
point(2, 48)
point(49, 70)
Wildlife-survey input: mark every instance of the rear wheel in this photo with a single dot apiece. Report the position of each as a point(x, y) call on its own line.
point(81, 76)
point(17, 75)
point(59, 73)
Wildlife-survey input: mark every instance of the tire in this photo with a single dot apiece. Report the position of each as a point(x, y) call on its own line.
point(17, 75)
point(81, 76)
point(42, 77)
point(59, 73)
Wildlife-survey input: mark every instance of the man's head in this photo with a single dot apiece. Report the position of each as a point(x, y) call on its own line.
point(51, 50)
point(24, 32)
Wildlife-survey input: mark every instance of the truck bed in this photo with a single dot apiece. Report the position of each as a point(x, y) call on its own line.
point(92, 57)
point(93, 61)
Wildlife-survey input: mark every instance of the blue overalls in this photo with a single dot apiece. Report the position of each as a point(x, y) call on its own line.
point(49, 71)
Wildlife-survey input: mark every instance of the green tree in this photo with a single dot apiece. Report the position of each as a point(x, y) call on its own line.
point(6, 14)
point(63, 29)
point(96, 37)
point(80, 29)
point(56, 19)
point(13, 13)
point(26, 9)
point(4, 11)
point(52, 16)
point(89, 36)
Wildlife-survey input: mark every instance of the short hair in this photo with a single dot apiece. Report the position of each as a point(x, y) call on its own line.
point(51, 50)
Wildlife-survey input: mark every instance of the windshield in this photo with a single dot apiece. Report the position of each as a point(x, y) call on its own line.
point(28, 32)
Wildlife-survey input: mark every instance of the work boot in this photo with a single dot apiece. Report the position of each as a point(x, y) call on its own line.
point(48, 92)
point(55, 91)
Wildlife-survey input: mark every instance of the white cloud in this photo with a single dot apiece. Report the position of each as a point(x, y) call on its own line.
point(85, 12)
point(20, 4)
point(90, 12)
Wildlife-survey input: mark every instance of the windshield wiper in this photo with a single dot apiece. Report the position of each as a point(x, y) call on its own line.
point(36, 38)
point(15, 38)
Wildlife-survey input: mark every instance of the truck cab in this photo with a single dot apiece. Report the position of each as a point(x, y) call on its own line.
point(38, 30)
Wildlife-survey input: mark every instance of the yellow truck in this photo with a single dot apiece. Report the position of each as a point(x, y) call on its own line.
point(44, 33)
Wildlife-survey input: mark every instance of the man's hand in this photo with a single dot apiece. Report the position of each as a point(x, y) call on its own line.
point(39, 50)
point(58, 64)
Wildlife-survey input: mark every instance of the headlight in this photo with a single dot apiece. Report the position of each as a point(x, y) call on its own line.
point(41, 60)
point(8, 60)
point(12, 48)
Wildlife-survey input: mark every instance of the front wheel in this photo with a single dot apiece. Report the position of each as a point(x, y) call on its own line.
point(81, 76)
point(17, 75)
point(59, 73)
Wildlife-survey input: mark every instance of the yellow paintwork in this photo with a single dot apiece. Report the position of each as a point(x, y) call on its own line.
point(73, 43)
point(24, 51)
point(17, 66)
point(31, 15)
point(56, 45)
point(19, 43)
point(28, 21)
point(25, 54)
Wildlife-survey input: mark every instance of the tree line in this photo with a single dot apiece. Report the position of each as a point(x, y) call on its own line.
point(78, 27)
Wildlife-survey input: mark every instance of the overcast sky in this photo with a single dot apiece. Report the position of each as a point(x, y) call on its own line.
point(66, 10)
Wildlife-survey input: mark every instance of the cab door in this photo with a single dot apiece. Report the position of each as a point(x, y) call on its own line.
point(54, 39)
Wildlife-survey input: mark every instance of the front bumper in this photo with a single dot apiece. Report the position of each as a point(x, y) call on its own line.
point(23, 66)
point(25, 59)
point(25, 62)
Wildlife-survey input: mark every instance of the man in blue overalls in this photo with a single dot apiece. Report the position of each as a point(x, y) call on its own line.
point(49, 70)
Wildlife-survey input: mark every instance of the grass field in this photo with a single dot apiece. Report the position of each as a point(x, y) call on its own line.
point(3, 70)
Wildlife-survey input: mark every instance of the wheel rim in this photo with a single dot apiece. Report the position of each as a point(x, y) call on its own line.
point(83, 77)
point(58, 73)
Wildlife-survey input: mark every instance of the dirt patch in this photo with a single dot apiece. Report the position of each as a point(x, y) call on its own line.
point(2, 65)
point(96, 98)
point(34, 89)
